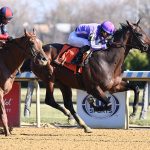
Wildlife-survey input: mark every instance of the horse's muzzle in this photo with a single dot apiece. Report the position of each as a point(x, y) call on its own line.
point(40, 60)
point(145, 48)
point(149, 48)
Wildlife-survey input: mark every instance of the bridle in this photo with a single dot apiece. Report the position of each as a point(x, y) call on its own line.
point(29, 45)
point(144, 47)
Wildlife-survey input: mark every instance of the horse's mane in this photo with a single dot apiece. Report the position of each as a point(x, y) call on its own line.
point(122, 30)
point(7, 44)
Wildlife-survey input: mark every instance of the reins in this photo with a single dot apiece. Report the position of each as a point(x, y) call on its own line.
point(120, 44)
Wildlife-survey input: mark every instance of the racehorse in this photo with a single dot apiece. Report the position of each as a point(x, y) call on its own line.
point(12, 55)
point(101, 72)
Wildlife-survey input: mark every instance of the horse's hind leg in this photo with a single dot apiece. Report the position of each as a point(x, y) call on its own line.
point(136, 99)
point(100, 95)
point(67, 96)
point(125, 86)
point(3, 115)
point(49, 99)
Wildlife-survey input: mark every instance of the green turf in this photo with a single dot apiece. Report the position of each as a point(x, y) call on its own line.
point(51, 115)
point(57, 95)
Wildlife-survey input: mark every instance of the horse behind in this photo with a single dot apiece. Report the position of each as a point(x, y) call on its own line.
point(101, 72)
point(12, 56)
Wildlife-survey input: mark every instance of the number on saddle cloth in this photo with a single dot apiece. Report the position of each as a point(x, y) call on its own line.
point(67, 54)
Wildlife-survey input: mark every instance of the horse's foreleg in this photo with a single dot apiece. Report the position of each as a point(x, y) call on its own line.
point(136, 101)
point(125, 86)
point(67, 96)
point(3, 115)
point(49, 100)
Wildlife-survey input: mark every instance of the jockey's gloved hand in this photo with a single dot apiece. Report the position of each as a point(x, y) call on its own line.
point(91, 36)
point(10, 38)
point(109, 43)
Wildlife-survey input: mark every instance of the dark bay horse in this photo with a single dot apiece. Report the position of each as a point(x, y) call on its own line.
point(102, 72)
point(12, 55)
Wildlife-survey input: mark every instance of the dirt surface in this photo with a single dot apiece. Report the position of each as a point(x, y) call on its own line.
point(50, 138)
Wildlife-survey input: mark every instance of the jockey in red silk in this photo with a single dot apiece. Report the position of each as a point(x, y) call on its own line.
point(6, 15)
point(93, 35)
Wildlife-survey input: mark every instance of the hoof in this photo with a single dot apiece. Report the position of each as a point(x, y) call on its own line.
point(4, 132)
point(132, 117)
point(109, 106)
point(71, 121)
point(7, 134)
point(88, 130)
point(10, 129)
point(91, 100)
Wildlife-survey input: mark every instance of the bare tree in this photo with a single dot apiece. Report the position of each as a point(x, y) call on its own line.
point(73, 12)
point(23, 17)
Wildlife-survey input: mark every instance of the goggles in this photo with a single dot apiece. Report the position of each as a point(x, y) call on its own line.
point(105, 33)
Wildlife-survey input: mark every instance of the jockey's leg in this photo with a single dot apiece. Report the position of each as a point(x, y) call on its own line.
point(78, 58)
point(77, 41)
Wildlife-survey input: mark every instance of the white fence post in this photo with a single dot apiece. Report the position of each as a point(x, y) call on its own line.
point(37, 103)
point(145, 101)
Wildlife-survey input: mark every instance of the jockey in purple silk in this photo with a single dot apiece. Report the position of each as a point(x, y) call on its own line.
point(6, 15)
point(93, 35)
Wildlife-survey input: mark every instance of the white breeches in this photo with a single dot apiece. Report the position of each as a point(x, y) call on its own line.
point(76, 41)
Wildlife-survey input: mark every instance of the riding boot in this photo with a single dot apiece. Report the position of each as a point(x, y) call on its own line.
point(78, 59)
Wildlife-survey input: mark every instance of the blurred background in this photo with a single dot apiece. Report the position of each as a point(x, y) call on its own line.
point(55, 19)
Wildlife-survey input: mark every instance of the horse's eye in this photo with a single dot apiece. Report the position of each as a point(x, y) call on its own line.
point(32, 43)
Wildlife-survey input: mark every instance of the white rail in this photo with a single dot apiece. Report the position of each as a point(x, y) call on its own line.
point(28, 76)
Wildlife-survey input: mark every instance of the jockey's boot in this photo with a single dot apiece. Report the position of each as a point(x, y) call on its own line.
point(78, 59)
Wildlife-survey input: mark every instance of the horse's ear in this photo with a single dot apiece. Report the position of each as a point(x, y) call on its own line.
point(130, 24)
point(138, 21)
point(34, 32)
point(25, 32)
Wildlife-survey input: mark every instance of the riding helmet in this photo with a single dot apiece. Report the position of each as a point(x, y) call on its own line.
point(6, 12)
point(108, 27)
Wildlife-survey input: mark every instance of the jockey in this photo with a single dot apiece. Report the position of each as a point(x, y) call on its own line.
point(93, 35)
point(6, 15)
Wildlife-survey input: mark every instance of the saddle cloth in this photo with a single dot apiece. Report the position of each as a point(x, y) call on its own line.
point(66, 55)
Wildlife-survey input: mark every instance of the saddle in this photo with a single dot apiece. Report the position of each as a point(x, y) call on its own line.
point(66, 55)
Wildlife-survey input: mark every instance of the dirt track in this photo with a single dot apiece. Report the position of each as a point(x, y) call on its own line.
point(32, 138)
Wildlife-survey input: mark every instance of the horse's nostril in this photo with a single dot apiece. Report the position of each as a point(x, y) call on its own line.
point(44, 59)
point(146, 48)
